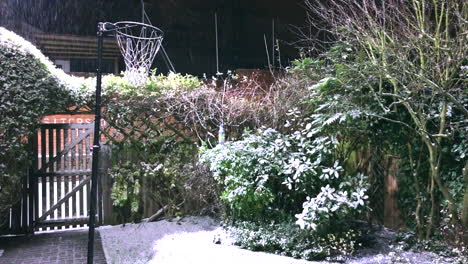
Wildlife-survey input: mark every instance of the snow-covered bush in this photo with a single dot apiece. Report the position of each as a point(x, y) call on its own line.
point(74, 85)
point(28, 91)
point(302, 174)
point(269, 172)
point(287, 239)
point(244, 169)
point(330, 202)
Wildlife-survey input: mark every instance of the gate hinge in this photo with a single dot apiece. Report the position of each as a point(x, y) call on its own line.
point(95, 147)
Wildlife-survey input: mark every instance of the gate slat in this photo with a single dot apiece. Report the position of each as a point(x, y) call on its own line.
point(87, 166)
point(43, 162)
point(66, 149)
point(65, 221)
point(79, 163)
point(62, 174)
point(89, 143)
point(72, 166)
point(59, 203)
point(33, 192)
point(66, 179)
point(87, 152)
point(58, 148)
point(51, 169)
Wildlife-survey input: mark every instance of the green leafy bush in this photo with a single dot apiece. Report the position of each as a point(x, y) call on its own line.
point(173, 82)
point(157, 85)
point(158, 169)
point(126, 192)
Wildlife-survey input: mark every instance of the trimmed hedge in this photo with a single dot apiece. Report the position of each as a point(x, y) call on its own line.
point(28, 91)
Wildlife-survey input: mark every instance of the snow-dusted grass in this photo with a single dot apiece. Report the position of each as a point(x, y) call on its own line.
point(189, 241)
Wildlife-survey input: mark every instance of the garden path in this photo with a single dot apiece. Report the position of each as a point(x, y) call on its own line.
point(60, 247)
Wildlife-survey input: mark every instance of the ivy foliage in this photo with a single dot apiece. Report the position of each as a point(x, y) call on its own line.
point(153, 169)
point(126, 192)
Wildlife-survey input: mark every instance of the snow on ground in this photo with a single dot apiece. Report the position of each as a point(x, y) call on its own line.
point(189, 241)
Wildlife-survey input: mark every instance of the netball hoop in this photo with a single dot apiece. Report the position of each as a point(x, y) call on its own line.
point(139, 43)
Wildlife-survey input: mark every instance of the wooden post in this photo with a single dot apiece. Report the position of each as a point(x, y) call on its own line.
point(116, 65)
point(32, 184)
point(149, 205)
point(16, 218)
point(24, 203)
point(35, 181)
point(392, 215)
point(105, 163)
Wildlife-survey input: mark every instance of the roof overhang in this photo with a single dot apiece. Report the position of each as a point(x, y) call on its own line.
point(75, 47)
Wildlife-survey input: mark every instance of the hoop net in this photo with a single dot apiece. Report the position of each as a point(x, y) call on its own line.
point(139, 43)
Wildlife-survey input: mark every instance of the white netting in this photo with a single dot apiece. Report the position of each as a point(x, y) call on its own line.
point(139, 44)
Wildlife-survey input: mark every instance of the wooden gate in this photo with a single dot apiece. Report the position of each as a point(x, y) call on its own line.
point(61, 176)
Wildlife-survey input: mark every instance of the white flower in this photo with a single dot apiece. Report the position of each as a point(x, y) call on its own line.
point(300, 221)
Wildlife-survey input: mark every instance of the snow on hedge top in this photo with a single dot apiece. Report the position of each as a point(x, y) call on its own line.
point(10, 39)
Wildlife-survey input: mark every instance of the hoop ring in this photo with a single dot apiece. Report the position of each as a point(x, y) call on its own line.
point(127, 24)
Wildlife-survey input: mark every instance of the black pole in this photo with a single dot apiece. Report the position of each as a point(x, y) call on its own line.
point(96, 147)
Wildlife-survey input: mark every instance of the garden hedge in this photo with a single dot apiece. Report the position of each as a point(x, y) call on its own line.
point(28, 91)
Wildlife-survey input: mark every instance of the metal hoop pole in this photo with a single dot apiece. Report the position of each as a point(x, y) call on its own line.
point(96, 147)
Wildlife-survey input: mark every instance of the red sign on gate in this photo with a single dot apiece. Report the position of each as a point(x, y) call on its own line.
point(70, 119)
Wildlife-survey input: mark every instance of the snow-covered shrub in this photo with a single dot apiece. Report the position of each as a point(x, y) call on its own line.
point(269, 172)
point(74, 85)
point(302, 174)
point(329, 202)
point(287, 239)
point(244, 168)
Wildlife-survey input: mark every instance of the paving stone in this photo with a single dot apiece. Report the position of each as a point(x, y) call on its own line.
point(60, 247)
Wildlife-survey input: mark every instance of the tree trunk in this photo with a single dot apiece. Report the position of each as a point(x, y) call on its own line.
point(434, 163)
point(431, 219)
point(419, 200)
